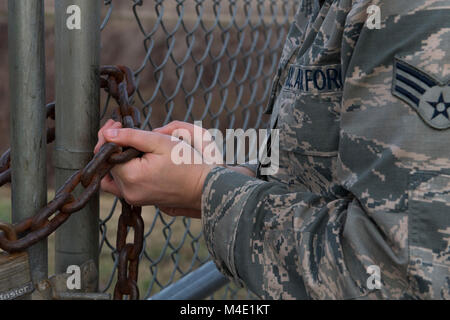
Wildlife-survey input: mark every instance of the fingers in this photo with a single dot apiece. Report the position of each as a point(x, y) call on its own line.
point(108, 185)
point(198, 137)
point(187, 132)
point(168, 211)
point(174, 125)
point(101, 139)
point(185, 212)
point(110, 124)
point(145, 141)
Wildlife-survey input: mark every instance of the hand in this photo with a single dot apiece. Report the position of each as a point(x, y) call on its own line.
point(108, 184)
point(203, 143)
point(154, 179)
point(199, 138)
point(187, 132)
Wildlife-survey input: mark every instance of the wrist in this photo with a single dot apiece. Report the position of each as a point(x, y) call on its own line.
point(204, 170)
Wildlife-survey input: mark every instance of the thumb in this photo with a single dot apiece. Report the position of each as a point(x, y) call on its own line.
point(145, 141)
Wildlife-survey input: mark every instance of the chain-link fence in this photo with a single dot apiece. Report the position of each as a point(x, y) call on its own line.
point(208, 60)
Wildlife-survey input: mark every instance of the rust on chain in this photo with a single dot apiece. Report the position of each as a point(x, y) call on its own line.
point(100, 159)
point(128, 253)
point(9, 230)
point(119, 82)
point(5, 159)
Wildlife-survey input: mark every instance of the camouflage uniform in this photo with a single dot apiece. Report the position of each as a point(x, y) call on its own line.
point(364, 179)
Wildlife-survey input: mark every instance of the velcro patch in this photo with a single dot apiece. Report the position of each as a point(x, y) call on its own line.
point(425, 94)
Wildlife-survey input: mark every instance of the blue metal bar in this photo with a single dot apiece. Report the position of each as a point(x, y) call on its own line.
point(198, 284)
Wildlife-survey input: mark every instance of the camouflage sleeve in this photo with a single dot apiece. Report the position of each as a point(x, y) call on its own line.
point(251, 225)
point(252, 167)
point(221, 210)
point(386, 211)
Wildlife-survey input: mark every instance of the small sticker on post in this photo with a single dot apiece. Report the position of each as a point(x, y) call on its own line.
point(73, 22)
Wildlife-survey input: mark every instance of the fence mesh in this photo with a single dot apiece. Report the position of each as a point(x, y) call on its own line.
point(208, 60)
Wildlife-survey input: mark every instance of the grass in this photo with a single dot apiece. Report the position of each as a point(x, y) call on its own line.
point(5, 204)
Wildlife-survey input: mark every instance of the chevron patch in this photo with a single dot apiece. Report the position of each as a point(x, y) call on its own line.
point(425, 94)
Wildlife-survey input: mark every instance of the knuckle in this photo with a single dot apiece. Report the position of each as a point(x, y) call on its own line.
point(129, 197)
point(131, 177)
point(107, 124)
point(177, 124)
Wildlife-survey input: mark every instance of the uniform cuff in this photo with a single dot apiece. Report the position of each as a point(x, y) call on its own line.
point(224, 196)
point(251, 167)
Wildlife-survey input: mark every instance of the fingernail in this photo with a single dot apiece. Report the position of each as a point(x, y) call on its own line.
point(112, 133)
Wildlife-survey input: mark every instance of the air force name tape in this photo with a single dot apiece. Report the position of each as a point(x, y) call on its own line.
point(313, 79)
point(425, 94)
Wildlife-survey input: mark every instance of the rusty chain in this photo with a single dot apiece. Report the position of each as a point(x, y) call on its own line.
point(5, 159)
point(119, 82)
point(129, 253)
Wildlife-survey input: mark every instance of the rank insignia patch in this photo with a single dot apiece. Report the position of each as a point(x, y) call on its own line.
point(427, 95)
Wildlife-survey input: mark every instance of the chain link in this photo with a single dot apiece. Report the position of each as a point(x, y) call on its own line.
point(129, 253)
point(118, 81)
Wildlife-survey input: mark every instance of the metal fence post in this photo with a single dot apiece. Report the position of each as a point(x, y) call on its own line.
point(77, 121)
point(28, 147)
